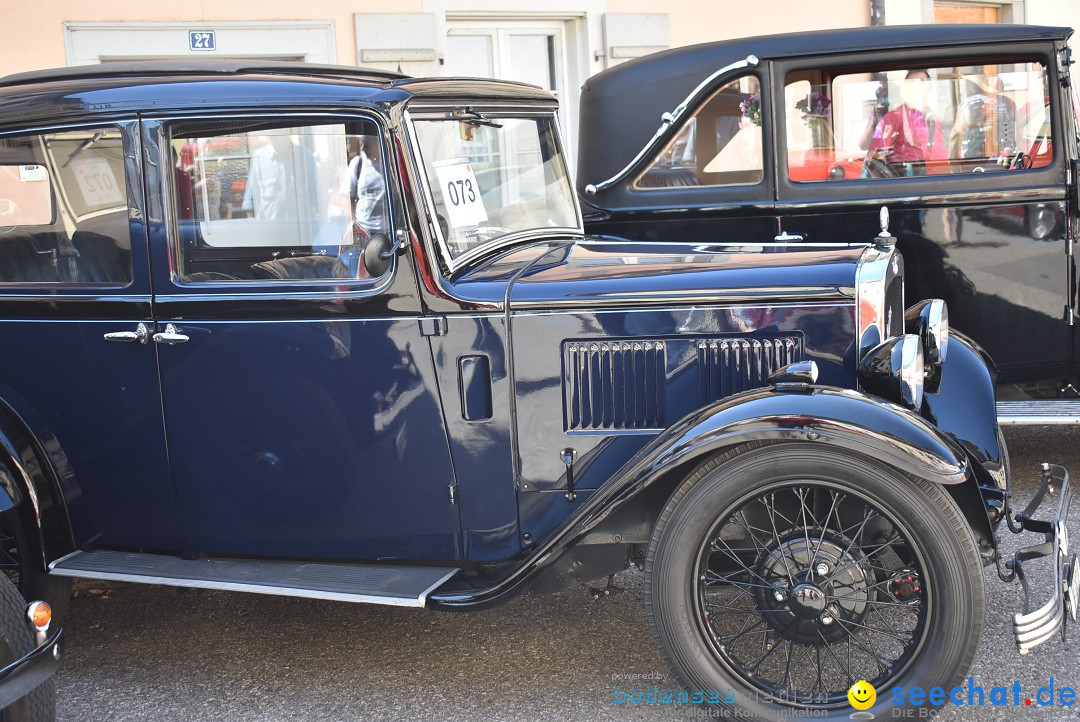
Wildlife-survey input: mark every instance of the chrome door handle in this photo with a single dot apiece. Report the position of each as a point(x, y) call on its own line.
point(139, 334)
point(171, 335)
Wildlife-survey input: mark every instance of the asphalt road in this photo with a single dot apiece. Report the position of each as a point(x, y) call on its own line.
point(156, 653)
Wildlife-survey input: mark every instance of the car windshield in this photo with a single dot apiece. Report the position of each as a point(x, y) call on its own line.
point(493, 178)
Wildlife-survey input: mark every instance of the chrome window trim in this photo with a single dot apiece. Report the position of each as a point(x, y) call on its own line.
point(419, 170)
point(356, 287)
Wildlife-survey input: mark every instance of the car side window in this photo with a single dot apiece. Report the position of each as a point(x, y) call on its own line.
point(917, 121)
point(719, 145)
point(270, 201)
point(64, 209)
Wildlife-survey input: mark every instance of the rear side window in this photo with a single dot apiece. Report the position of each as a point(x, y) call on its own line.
point(266, 201)
point(64, 209)
point(917, 121)
point(719, 145)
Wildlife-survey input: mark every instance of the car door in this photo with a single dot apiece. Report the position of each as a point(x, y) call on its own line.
point(75, 319)
point(300, 404)
point(963, 152)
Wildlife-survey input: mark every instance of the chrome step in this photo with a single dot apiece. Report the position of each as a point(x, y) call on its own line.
point(402, 586)
point(1037, 412)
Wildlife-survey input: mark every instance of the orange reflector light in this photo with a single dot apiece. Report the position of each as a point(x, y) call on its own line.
point(40, 615)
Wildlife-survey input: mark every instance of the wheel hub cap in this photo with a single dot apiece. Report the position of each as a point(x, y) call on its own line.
point(807, 601)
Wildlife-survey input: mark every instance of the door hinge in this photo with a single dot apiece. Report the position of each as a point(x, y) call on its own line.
point(433, 326)
point(453, 492)
point(1070, 316)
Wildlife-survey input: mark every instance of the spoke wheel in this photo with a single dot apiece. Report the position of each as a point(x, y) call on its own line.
point(788, 572)
point(806, 587)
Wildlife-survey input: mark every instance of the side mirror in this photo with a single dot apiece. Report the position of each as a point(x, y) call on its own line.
point(379, 250)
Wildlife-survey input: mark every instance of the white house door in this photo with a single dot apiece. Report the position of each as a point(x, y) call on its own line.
point(529, 51)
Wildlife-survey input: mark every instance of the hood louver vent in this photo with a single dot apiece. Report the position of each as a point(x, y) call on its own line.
point(730, 366)
point(615, 385)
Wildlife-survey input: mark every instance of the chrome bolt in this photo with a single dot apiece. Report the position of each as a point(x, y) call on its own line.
point(779, 595)
point(826, 619)
point(821, 569)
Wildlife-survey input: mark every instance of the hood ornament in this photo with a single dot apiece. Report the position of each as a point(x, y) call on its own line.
point(885, 238)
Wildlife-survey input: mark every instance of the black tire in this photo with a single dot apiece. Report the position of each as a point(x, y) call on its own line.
point(16, 639)
point(923, 537)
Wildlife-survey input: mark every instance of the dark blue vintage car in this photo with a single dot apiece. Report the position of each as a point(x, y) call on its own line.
point(338, 334)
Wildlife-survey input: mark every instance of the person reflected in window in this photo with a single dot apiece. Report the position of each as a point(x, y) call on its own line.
point(283, 183)
point(368, 187)
point(909, 137)
point(985, 127)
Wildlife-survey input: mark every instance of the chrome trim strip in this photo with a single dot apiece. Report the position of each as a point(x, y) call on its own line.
point(669, 120)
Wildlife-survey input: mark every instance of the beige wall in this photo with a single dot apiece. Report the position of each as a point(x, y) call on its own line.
point(32, 31)
point(699, 21)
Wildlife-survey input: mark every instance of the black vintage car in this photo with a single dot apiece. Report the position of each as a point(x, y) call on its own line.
point(339, 334)
point(967, 133)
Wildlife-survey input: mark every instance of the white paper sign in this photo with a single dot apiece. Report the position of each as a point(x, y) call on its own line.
point(28, 173)
point(97, 182)
point(460, 193)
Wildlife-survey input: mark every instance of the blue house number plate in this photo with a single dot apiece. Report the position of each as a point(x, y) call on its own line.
point(202, 40)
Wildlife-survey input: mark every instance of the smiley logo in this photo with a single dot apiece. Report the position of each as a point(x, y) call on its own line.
point(862, 695)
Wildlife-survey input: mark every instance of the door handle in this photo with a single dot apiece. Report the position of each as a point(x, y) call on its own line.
point(171, 335)
point(139, 334)
point(786, 237)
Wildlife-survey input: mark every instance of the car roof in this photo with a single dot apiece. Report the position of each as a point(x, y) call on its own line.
point(163, 85)
point(638, 91)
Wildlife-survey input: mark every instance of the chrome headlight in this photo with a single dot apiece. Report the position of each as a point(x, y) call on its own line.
point(929, 320)
point(895, 370)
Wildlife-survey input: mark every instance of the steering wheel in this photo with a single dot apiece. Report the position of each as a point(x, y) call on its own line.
point(878, 168)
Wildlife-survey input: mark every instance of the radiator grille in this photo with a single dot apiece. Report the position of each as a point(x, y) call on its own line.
point(615, 385)
point(728, 366)
point(894, 307)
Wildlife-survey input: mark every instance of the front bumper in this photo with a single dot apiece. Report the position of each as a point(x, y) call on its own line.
point(34, 669)
point(1033, 627)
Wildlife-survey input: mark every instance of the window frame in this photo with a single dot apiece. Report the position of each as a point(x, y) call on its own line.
point(872, 190)
point(169, 215)
point(712, 197)
point(133, 208)
point(439, 112)
point(674, 134)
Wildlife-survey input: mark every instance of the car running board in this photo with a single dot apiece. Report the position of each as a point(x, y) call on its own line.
point(1038, 412)
point(396, 585)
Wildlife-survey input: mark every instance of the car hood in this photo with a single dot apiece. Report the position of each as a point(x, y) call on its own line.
point(597, 272)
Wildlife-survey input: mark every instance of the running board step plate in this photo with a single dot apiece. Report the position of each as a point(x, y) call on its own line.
point(1057, 412)
point(402, 586)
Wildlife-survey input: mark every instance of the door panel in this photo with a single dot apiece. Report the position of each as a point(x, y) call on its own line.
point(967, 156)
point(71, 272)
point(301, 404)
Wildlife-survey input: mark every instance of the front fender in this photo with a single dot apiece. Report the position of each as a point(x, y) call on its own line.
point(823, 415)
point(831, 417)
point(964, 408)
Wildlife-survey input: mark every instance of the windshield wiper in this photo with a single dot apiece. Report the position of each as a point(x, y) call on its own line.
point(86, 144)
point(475, 118)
